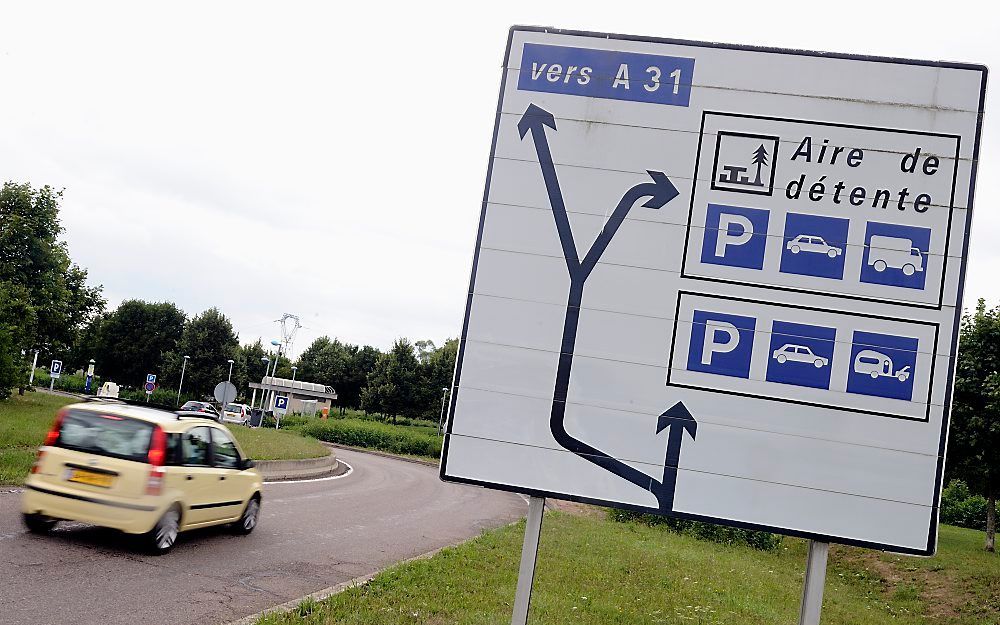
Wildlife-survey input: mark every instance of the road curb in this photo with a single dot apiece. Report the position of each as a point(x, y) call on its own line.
point(298, 469)
point(375, 452)
point(326, 593)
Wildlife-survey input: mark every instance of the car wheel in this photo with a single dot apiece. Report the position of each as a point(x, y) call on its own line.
point(832, 253)
point(162, 538)
point(880, 266)
point(901, 376)
point(781, 358)
point(909, 269)
point(818, 363)
point(251, 514)
point(38, 524)
point(874, 375)
point(796, 249)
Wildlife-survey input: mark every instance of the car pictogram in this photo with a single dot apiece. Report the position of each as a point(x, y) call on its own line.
point(814, 244)
point(799, 353)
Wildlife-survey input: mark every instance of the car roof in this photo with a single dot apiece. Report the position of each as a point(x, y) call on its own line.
point(169, 421)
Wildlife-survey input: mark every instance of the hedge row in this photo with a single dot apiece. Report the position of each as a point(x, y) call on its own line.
point(763, 541)
point(373, 435)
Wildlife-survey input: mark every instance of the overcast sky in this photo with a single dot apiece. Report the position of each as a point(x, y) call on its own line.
point(328, 159)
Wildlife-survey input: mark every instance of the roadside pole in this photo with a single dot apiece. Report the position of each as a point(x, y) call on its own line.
point(34, 365)
point(529, 555)
point(812, 589)
point(444, 394)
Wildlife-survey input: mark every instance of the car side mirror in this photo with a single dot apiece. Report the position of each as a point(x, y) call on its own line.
point(248, 463)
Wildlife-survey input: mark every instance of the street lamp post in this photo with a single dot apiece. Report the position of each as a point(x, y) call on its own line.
point(181, 385)
point(263, 391)
point(444, 394)
point(229, 380)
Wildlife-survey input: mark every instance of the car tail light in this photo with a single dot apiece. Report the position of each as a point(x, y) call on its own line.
point(157, 456)
point(38, 461)
point(157, 447)
point(53, 435)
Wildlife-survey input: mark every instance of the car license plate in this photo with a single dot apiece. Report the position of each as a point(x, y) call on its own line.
point(89, 477)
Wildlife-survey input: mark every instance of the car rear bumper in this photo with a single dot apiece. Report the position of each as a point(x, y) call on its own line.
point(134, 516)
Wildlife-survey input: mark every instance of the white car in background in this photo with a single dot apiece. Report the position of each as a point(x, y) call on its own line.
point(814, 244)
point(237, 413)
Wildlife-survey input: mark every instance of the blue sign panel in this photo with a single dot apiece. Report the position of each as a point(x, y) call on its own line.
point(281, 403)
point(721, 343)
point(895, 255)
point(606, 74)
point(801, 354)
point(814, 245)
point(735, 236)
point(882, 365)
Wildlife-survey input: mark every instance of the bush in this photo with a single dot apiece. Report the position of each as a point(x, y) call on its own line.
point(962, 508)
point(71, 383)
point(288, 421)
point(763, 541)
point(372, 435)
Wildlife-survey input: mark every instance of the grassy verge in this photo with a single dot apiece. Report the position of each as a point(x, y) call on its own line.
point(396, 439)
point(594, 571)
point(263, 444)
point(24, 421)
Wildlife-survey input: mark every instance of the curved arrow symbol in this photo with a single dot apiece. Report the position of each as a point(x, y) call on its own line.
point(678, 419)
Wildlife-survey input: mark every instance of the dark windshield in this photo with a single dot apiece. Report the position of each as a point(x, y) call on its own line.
point(105, 435)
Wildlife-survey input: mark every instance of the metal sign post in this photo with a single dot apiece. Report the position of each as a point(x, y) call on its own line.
point(812, 590)
point(55, 370)
point(150, 385)
point(529, 555)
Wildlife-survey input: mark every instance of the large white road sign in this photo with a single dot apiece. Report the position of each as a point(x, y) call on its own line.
point(720, 283)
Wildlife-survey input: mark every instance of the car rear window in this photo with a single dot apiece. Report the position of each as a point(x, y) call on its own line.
point(105, 435)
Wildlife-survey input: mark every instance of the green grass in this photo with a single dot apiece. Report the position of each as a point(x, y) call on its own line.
point(594, 571)
point(24, 421)
point(266, 444)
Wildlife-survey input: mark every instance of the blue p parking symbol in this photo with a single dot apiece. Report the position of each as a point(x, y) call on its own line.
point(735, 236)
point(721, 343)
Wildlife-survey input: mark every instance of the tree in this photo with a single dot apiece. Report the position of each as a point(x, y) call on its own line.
point(249, 366)
point(974, 440)
point(436, 373)
point(759, 159)
point(362, 364)
point(393, 384)
point(133, 340)
point(209, 340)
point(46, 300)
point(9, 373)
point(424, 350)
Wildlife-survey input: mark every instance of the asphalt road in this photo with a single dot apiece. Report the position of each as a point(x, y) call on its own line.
point(312, 535)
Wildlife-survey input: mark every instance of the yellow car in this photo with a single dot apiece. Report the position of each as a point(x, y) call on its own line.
point(143, 471)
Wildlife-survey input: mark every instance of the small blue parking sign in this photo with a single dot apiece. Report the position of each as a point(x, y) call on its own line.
point(814, 245)
point(801, 354)
point(895, 255)
point(150, 378)
point(882, 365)
point(735, 236)
point(280, 405)
point(721, 343)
